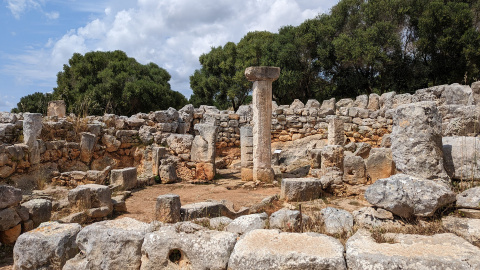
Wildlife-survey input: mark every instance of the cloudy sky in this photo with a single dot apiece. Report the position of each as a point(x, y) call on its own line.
point(39, 36)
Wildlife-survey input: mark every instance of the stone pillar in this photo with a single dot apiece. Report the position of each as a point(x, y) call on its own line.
point(203, 151)
point(56, 108)
point(32, 128)
point(87, 146)
point(167, 209)
point(336, 132)
point(262, 78)
point(157, 155)
point(246, 146)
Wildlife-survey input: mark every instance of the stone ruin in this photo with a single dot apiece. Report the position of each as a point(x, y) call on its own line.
point(401, 152)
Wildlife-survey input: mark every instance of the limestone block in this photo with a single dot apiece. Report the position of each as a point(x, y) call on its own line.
point(111, 143)
point(380, 164)
point(40, 210)
point(247, 174)
point(158, 154)
point(469, 213)
point(95, 198)
point(272, 249)
point(336, 221)
point(476, 92)
point(262, 73)
point(456, 94)
point(386, 100)
point(467, 228)
point(286, 219)
point(312, 103)
point(373, 102)
point(327, 108)
point(167, 173)
point(9, 196)
point(297, 104)
point(126, 178)
point(315, 158)
point(244, 224)
point(32, 127)
point(410, 251)
point(56, 108)
point(417, 141)
point(47, 247)
point(408, 196)
point(11, 235)
point(354, 170)
point(87, 146)
point(110, 245)
point(401, 99)
point(8, 219)
point(332, 157)
point(205, 209)
point(180, 143)
point(336, 132)
point(300, 189)
point(219, 223)
point(174, 247)
point(460, 155)
point(361, 102)
point(370, 217)
point(205, 171)
point(470, 198)
point(167, 208)
point(363, 150)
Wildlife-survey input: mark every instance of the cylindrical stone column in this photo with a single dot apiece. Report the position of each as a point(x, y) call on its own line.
point(262, 78)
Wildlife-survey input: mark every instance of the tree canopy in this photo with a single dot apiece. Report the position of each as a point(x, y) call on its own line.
point(111, 82)
point(360, 47)
point(34, 103)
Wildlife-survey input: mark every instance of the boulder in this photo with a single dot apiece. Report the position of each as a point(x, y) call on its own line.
point(460, 155)
point(336, 221)
point(300, 189)
point(167, 208)
point(205, 209)
point(90, 196)
point(469, 213)
point(244, 224)
point(354, 170)
point(408, 196)
point(167, 173)
point(476, 92)
point(9, 196)
point(219, 223)
point(180, 143)
point(47, 247)
point(126, 178)
point(380, 164)
point(285, 219)
point(332, 157)
point(336, 132)
point(417, 141)
point(173, 247)
point(409, 251)
point(203, 146)
point(363, 150)
point(40, 210)
point(272, 249)
point(456, 94)
point(373, 102)
point(467, 228)
point(8, 219)
point(371, 217)
point(327, 108)
point(470, 198)
point(109, 245)
point(11, 235)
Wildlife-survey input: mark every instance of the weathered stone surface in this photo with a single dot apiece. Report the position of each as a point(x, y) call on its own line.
point(8, 219)
point(469, 213)
point(406, 195)
point(332, 157)
point(197, 248)
point(373, 102)
point(167, 208)
point(9, 196)
point(244, 224)
point(203, 146)
point(456, 94)
point(460, 155)
point(300, 189)
point(417, 141)
point(441, 251)
point(262, 73)
point(32, 127)
point(354, 170)
point(271, 249)
point(56, 108)
point(109, 245)
point(470, 198)
point(167, 173)
point(371, 217)
point(467, 228)
point(297, 104)
point(327, 108)
point(380, 164)
point(219, 223)
point(363, 150)
point(336, 132)
point(336, 221)
point(205, 209)
point(126, 178)
point(476, 92)
point(47, 247)
point(287, 219)
point(361, 101)
point(87, 146)
point(180, 143)
point(205, 171)
point(111, 143)
point(40, 210)
point(11, 235)
point(95, 198)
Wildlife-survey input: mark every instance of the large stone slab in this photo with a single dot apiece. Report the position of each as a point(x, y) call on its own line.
point(9, 196)
point(47, 247)
point(205, 209)
point(300, 189)
point(32, 127)
point(467, 228)
point(417, 141)
point(167, 208)
point(187, 247)
point(380, 164)
point(336, 221)
point(462, 161)
point(8, 219)
point(96, 199)
point(40, 210)
point(110, 245)
point(408, 196)
point(126, 178)
point(272, 249)
point(415, 252)
point(470, 198)
point(286, 219)
point(244, 224)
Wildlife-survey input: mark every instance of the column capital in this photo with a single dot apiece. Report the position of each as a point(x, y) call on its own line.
point(262, 73)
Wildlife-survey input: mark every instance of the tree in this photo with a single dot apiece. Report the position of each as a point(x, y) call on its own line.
point(111, 82)
point(34, 103)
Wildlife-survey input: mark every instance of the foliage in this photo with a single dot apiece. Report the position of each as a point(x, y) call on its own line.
point(111, 82)
point(360, 47)
point(34, 103)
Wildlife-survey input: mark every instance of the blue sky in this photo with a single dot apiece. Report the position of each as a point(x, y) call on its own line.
point(39, 36)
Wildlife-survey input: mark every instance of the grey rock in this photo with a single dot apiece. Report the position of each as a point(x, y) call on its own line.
point(300, 189)
point(467, 228)
point(411, 252)
point(336, 133)
point(219, 223)
point(126, 178)
point(32, 127)
point(180, 143)
point(92, 196)
point(205, 209)
point(297, 104)
point(40, 210)
point(244, 224)
point(373, 102)
point(87, 146)
point(371, 217)
point(380, 164)
point(167, 173)
point(197, 249)
point(363, 150)
point(417, 141)
point(271, 249)
point(167, 208)
point(456, 94)
point(406, 195)
point(476, 92)
point(109, 245)
point(203, 146)
point(287, 219)
point(386, 141)
point(361, 101)
point(9, 196)
point(312, 103)
point(48, 247)
point(336, 221)
point(469, 213)
point(470, 198)
point(332, 157)
point(354, 170)
point(460, 155)
point(327, 108)
point(8, 219)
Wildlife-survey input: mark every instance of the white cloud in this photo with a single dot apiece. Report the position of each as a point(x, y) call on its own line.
point(18, 7)
point(52, 15)
point(171, 33)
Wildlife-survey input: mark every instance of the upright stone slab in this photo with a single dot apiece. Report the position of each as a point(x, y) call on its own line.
point(203, 150)
point(158, 154)
point(167, 209)
point(87, 146)
point(126, 178)
point(417, 141)
point(246, 145)
point(262, 118)
point(32, 128)
point(336, 133)
point(56, 108)
point(462, 161)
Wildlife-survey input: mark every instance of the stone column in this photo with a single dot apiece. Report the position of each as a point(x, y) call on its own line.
point(262, 78)
point(246, 148)
point(32, 128)
point(336, 132)
point(203, 151)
